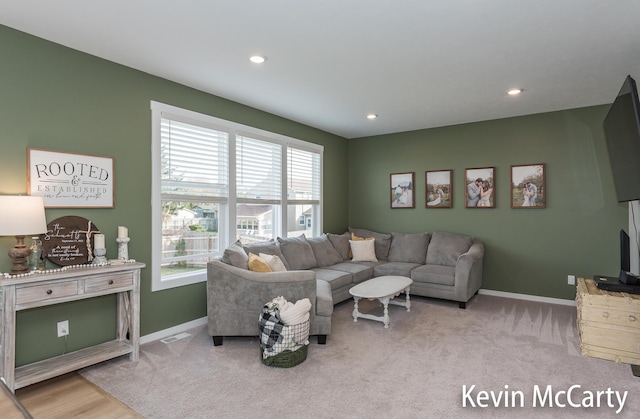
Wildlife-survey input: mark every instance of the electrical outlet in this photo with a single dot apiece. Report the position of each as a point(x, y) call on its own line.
point(571, 279)
point(63, 328)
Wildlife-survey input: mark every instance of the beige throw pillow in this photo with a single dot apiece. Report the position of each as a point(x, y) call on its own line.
point(363, 250)
point(274, 262)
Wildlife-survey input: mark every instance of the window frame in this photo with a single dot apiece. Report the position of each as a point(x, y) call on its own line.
point(227, 227)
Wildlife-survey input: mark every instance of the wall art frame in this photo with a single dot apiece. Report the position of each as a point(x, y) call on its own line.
point(480, 189)
point(438, 188)
point(70, 180)
point(528, 186)
point(402, 190)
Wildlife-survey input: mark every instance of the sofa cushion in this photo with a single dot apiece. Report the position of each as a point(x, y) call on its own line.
point(383, 241)
point(236, 256)
point(257, 264)
point(275, 263)
point(395, 268)
point(435, 274)
point(359, 271)
point(445, 248)
point(298, 252)
point(269, 247)
point(340, 242)
point(324, 251)
point(410, 248)
point(363, 250)
point(336, 279)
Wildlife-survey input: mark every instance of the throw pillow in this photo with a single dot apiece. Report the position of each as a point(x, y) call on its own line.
point(409, 248)
point(356, 238)
point(340, 242)
point(298, 252)
point(445, 248)
point(383, 241)
point(269, 247)
point(274, 262)
point(236, 256)
point(257, 264)
point(323, 250)
point(363, 250)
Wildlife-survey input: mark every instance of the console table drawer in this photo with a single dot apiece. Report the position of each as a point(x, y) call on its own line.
point(46, 292)
point(108, 282)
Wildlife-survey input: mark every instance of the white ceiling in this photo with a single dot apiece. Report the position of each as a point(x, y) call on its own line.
point(415, 63)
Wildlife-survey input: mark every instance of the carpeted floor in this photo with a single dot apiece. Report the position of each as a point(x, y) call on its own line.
point(424, 365)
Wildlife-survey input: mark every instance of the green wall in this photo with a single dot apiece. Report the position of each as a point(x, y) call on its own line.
point(528, 251)
point(56, 98)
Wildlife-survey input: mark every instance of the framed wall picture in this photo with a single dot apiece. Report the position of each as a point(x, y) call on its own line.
point(528, 186)
point(480, 189)
point(402, 190)
point(438, 188)
point(70, 180)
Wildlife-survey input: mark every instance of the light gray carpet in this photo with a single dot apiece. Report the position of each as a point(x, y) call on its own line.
point(415, 369)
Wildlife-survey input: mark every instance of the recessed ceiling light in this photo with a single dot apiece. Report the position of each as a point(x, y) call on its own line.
point(372, 116)
point(258, 59)
point(514, 92)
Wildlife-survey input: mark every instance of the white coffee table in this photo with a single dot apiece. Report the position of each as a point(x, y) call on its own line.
point(384, 288)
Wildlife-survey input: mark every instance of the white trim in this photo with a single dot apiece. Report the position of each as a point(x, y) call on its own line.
point(528, 297)
point(161, 334)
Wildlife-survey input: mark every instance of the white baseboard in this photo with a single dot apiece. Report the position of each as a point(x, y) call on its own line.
point(161, 334)
point(528, 297)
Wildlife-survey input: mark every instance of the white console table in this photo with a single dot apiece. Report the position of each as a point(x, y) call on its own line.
point(38, 290)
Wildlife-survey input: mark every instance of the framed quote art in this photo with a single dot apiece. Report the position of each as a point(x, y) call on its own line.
point(528, 186)
point(402, 191)
point(480, 188)
point(438, 189)
point(70, 180)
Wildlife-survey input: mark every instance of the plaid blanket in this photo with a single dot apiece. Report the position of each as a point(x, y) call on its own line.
point(275, 337)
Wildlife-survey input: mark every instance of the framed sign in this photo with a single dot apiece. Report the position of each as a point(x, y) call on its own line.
point(402, 192)
point(69, 241)
point(69, 180)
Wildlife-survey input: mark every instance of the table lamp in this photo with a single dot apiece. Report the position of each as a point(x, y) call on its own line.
point(21, 216)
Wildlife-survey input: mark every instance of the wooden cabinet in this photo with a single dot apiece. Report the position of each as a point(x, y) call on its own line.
point(71, 284)
point(608, 323)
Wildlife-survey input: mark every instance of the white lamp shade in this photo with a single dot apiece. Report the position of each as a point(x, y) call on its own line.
point(22, 215)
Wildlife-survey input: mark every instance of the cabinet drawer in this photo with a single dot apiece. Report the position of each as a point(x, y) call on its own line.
point(108, 282)
point(609, 316)
point(615, 338)
point(46, 292)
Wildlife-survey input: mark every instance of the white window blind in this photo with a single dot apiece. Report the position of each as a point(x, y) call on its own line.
point(194, 161)
point(303, 176)
point(258, 171)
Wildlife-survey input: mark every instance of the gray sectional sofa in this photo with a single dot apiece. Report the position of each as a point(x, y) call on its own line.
point(442, 265)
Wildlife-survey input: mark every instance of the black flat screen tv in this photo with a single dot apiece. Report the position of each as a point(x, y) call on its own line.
point(622, 132)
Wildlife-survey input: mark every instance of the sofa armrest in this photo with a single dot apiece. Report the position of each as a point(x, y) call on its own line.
point(235, 296)
point(468, 272)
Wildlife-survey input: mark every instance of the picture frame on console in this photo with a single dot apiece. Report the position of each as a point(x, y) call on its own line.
point(438, 189)
point(528, 186)
point(402, 191)
point(480, 189)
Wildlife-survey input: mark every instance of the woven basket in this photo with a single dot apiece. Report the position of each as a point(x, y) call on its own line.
point(290, 358)
point(286, 359)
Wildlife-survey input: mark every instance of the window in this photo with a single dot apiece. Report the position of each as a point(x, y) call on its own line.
point(215, 181)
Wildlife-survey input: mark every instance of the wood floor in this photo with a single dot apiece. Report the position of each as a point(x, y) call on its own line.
point(71, 396)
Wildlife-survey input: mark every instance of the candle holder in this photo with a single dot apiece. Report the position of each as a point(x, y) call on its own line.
point(99, 258)
point(123, 248)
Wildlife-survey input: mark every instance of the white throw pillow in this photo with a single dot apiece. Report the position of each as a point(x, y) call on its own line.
point(274, 262)
point(363, 250)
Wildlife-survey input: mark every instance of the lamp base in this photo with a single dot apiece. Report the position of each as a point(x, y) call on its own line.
point(20, 255)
